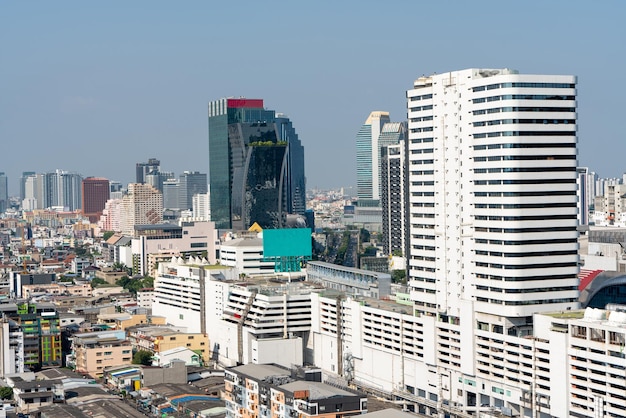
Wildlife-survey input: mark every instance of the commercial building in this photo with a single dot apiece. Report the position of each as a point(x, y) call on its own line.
point(256, 165)
point(245, 254)
point(187, 237)
point(95, 193)
point(142, 170)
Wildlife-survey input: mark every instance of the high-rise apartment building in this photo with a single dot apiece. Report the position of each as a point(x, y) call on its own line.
point(492, 185)
point(143, 205)
point(95, 193)
point(394, 198)
point(4, 192)
point(256, 165)
point(60, 189)
point(23, 179)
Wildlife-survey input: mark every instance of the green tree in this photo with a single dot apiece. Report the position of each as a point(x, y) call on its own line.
point(95, 282)
point(6, 392)
point(107, 234)
point(143, 357)
point(398, 276)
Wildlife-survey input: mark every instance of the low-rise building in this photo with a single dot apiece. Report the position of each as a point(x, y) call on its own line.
point(246, 256)
point(92, 352)
point(157, 339)
point(270, 390)
point(350, 280)
point(53, 289)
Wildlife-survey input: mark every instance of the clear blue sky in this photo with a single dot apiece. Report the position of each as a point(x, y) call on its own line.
point(95, 87)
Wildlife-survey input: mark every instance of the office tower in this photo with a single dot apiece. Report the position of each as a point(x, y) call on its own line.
point(191, 183)
point(368, 156)
point(157, 178)
point(171, 194)
point(394, 198)
point(23, 179)
point(4, 192)
point(296, 182)
point(142, 205)
point(96, 192)
point(252, 175)
point(143, 169)
point(492, 184)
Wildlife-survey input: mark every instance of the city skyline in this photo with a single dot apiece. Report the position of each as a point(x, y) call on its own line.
point(96, 88)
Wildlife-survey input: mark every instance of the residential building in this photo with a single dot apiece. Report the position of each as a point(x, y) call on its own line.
point(159, 338)
point(92, 352)
point(200, 206)
point(394, 198)
point(178, 354)
point(95, 194)
point(256, 165)
point(185, 294)
point(60, 189)
point(30, 395)
point(494, 210)
point(111, 218)
point(270, 390)
point(23, 180)
point(610, 206)
point(143, 205)
point(31, 336)
point(145, 297)
point(493, 243)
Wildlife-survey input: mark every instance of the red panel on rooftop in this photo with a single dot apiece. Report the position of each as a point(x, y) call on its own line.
point(251, 103)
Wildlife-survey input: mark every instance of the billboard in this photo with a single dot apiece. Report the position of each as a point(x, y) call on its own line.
point(289, 242)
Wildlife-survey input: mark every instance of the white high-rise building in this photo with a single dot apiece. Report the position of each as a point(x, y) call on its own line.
point(492, 196)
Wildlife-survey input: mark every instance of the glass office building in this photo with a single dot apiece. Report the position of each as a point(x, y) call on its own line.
point(256, 165)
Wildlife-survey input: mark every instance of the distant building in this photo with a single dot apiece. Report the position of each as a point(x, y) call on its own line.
point(191, 184)
point(367, 155)
point(143, 169)
point(95, 194)
point(4, 192)
point(143, 205)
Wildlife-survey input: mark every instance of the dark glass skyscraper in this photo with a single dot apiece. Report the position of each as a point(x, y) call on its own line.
point(256, 165)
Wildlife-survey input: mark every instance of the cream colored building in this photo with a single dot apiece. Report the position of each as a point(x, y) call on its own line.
point(92, 352)
point(31, 290)
point(158, 339)
point(121, 321)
